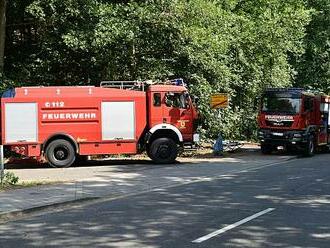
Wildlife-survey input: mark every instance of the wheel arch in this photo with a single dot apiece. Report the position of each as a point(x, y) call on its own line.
point(164, 131)
point(61, 136)
point(311, 130)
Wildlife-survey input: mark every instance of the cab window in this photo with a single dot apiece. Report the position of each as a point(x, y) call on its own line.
point(157, 99)
point(308, 104)
point(177, 100)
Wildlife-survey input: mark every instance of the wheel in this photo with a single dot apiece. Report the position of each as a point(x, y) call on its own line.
point(266, 149)
point(148, 151)
point(163, 151)
point(324, 149)
point(60, 153)
point(310, 147)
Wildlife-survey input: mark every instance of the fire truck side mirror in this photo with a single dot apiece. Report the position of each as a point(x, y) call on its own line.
point(195, 99)
point(169, 99)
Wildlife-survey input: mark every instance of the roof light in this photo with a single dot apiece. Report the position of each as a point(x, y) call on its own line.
point(284, 89)
point(178, 82)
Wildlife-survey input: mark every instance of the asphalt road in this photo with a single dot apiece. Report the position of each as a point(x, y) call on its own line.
point(282, 205)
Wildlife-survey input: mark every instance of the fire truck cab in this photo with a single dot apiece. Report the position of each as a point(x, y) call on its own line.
point(63, 123)
point(295, 119)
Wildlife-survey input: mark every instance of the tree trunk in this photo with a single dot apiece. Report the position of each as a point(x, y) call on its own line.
point(2, 33)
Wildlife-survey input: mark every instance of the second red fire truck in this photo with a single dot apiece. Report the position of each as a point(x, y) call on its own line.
point(294, 118)
point(62, 123)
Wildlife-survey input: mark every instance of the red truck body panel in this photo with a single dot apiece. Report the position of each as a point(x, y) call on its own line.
point(77, 112)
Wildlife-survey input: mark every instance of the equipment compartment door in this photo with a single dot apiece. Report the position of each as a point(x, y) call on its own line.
point(21, 122)
point(118, 120)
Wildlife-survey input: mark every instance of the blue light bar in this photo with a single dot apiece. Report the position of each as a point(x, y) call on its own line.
point(284, 89)
point(178, 82)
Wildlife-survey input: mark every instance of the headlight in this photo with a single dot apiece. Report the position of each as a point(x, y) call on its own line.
point(297, 135)
point(261, 133)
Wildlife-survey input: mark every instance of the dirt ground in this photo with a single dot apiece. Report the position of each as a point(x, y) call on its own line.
point(205, 151)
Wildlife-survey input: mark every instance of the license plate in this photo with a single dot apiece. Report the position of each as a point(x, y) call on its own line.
point(277, 134)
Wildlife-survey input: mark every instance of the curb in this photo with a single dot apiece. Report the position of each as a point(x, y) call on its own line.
point(18, 214)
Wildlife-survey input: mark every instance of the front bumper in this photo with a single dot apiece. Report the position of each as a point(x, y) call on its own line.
point(283, 138)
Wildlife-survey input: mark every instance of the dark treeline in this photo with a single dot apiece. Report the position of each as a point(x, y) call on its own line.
point(234, 46)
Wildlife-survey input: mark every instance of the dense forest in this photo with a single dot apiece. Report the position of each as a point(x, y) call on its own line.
point(239, 47)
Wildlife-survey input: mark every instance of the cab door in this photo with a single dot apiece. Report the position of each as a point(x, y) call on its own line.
point(177, 111)
point(324, 127)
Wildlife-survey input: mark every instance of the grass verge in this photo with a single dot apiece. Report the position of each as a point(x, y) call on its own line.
point(21, 185)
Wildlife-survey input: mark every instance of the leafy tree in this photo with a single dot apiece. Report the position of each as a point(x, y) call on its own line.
point(254, 45)
point(3, 4)
point(238, 47)
point(314, 66)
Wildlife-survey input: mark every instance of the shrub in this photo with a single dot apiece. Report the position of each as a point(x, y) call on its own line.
point(9, 179)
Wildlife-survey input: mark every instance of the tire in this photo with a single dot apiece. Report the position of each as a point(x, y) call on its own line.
point(60, 153)
point(148, 151)
point(163, 151)
point(324, 149)
point(309, 148)
point(266, 149)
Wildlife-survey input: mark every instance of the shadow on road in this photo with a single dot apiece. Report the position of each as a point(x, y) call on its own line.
point(174, 217)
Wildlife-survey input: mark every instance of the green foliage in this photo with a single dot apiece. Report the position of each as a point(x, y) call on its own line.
point(313, 68)
point(9, 179)
point(232, 46)
point(241, 49)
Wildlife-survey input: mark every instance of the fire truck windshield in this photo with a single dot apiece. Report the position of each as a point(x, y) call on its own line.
point(281, 104)
point(177, 100)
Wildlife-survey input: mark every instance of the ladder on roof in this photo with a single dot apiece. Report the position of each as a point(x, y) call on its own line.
point(124, 85)
point(139, 85)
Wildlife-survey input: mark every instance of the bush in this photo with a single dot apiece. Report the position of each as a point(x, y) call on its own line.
point(9, 179)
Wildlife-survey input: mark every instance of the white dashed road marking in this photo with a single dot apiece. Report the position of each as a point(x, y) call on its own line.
point(231, 226)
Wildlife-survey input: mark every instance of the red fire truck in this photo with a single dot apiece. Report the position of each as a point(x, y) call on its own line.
point(63, 123)
point(295, 119)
